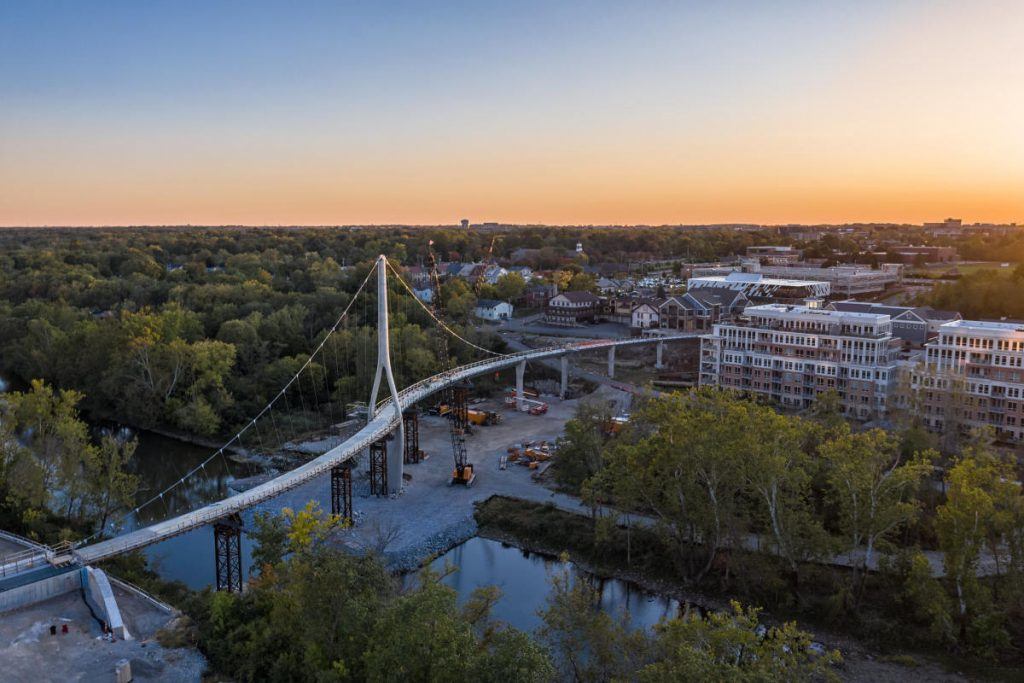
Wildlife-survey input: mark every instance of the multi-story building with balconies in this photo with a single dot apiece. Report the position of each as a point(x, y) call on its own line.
point(792, 354)
point(973, 376)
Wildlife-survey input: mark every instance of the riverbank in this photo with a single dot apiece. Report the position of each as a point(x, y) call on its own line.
point(547, 530)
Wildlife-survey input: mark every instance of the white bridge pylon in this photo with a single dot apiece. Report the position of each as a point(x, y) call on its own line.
point(382, 420)
point(396, 459)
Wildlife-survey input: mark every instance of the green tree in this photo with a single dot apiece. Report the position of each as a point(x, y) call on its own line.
point(730, 646)
point(779, 473)
point(684, 465)
point(874, 491)
point(582, 282)
point(581, 447)
point(510, 286)
point(111, 485)
point(963, 524)
point(589, 643)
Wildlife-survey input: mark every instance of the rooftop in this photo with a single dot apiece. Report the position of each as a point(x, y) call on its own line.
point(820, 313)
point(754, 278)
point(985, 325)
point(580, 297)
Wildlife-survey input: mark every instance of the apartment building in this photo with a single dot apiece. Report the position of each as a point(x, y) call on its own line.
point(914, 325)
point(973, 376)
point(791, 354)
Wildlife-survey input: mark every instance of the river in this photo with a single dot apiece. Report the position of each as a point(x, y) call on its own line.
point(523, 579)
point(161, 461)
point(522, 576)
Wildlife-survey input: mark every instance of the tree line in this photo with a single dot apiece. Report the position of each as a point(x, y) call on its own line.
point(803, 513)
point(313, 612)
point(56, 477)
point(194, 329)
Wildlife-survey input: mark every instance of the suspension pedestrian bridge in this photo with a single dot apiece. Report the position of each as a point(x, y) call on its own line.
point(384, 417)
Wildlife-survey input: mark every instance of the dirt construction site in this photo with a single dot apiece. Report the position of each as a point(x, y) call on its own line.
point(60, 640)
point(432, 515)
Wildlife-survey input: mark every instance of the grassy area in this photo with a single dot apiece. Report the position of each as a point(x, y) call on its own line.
point(941, 270)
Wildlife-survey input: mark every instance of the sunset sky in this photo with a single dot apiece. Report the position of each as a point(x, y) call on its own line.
point(554, 112)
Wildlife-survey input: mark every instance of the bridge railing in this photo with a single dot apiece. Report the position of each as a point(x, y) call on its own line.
point(383, 423)
point(22, 561)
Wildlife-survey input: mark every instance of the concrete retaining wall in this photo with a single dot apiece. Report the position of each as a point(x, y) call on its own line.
point(32, 593)
point(100, 596)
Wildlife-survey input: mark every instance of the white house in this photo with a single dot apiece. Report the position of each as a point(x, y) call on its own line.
point(493, 273)
point(645, 315)
point(489, 309)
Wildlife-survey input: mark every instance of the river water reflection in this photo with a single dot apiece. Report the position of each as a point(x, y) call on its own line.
point(523, 579)
point(161, 461)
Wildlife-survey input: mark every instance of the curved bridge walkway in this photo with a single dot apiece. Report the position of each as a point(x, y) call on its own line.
point(385, 421)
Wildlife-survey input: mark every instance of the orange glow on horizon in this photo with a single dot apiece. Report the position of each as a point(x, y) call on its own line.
point(906, 113)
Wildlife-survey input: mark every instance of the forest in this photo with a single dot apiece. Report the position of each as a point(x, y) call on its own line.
point(193, 330)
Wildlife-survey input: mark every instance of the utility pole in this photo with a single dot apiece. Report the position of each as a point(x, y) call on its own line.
point(395, 462)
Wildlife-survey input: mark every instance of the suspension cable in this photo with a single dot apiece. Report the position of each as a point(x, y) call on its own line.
point(441, 322)
point(237, 437)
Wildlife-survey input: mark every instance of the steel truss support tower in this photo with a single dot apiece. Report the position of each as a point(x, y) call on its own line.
point(411, 424)
point(379, 468)
point(460, 407)
point(227, 545)
point(341, 492)
point(394, 473)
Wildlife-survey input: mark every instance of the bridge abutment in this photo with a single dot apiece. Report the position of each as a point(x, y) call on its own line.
point(564, 386)
point(611, 362)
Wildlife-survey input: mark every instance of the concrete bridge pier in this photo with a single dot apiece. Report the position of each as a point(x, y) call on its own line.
point(660, 350)
point(564, 388)
point(520, 374)
point(611, 362)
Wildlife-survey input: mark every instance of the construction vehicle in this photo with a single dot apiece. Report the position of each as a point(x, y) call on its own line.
point(530, 454)
point(474, 416)
point(483, 418)
point(530, 405)
point(452, 397)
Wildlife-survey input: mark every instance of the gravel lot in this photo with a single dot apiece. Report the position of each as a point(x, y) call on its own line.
point(430, 516)
point(29, 653)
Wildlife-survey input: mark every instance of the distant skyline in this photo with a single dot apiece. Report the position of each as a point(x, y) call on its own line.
point(261, 113)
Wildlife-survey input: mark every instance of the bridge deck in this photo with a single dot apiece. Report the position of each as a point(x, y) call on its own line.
point(385, 422)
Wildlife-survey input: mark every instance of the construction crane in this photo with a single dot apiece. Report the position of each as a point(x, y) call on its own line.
point(453, 397)
point(478, 281)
